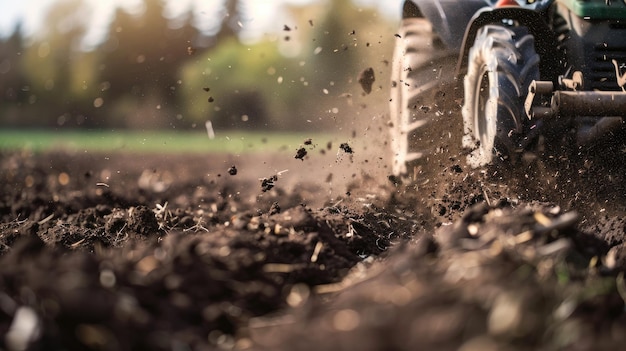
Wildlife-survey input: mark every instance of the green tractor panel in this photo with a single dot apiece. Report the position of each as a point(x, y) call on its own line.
point(526, 69)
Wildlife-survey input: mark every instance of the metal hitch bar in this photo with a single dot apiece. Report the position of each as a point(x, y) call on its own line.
point(574, 103)
point(609, 107)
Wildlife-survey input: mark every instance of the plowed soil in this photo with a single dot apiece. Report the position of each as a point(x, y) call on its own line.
point(202, 252)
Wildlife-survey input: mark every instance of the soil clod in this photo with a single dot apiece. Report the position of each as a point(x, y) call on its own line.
point(345, 147)
point(268, 183)
point(366, 79)
point(301, 153)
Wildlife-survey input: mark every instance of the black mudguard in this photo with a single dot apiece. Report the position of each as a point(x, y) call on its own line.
point(546, 42)
point(449, 18)
point(457, 22)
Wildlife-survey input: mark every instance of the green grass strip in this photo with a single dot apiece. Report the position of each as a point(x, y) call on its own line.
point(236, 142)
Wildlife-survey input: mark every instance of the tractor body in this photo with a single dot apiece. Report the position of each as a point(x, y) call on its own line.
point(566, 68)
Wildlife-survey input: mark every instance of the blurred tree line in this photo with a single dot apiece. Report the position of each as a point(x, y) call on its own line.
point(152, 71)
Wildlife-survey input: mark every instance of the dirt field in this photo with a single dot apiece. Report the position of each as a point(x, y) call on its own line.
point(196, 252)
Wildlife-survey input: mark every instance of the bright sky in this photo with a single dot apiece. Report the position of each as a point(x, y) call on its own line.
point(267, 15)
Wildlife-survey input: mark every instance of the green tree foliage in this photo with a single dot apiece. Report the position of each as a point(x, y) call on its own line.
point(239, 86)
point(334, 53)
point(55, 68)
point(140, 60)
point(229, 28)
point(343, 42)
point(258, 87)
point(151, 71)
point(12, 78)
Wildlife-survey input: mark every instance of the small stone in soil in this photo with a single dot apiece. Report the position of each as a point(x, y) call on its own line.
point(275, 208)
point(301, 153)
point(232, 170)
point(308, 141)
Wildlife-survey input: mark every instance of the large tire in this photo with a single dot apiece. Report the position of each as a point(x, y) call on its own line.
point(502, 64)
point(421, 68)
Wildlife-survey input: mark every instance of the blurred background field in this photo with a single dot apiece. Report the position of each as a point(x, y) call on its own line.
point(170, 66)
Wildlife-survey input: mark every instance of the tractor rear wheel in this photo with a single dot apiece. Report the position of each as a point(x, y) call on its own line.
point(502, 64)
point(422, 66)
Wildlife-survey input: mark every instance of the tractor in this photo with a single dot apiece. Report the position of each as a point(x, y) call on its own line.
point(524, 70)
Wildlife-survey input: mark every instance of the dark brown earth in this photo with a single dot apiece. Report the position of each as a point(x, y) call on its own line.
point(194, 252)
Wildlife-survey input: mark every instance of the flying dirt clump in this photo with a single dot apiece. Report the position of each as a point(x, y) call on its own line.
point(301, 153)
point(346, 148)
point(268, 183)
point(366, 79)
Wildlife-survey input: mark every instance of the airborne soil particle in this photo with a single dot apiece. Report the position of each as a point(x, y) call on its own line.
point(301, 153)
point(232, 170)
point(268, 183)
point(367, 78)
point(346, 148)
